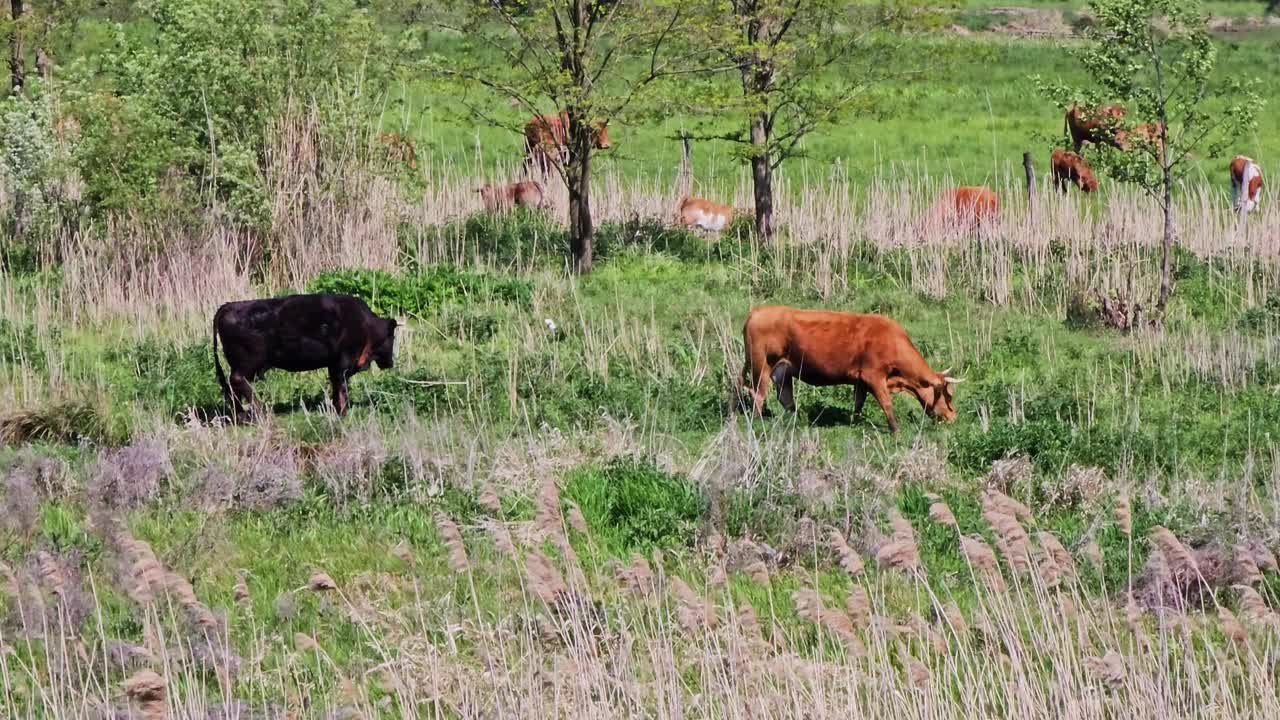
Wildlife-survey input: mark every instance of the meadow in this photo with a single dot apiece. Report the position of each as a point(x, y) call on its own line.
point(578, 520)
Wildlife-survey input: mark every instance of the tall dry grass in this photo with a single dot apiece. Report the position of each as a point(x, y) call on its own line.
point(1022, 633)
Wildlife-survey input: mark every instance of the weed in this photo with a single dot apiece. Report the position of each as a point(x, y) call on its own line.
point(632, 504)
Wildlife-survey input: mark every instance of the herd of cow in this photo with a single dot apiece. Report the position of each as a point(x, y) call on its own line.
point(872, 353)
point(546, 143)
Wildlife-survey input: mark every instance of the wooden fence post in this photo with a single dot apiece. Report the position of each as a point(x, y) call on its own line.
point(686, 164)
point(1031, 184)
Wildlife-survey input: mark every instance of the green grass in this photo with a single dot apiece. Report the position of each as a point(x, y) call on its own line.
point(970, 116)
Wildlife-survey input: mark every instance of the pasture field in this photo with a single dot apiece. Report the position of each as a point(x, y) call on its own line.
point(966, 114)
point(554, 505)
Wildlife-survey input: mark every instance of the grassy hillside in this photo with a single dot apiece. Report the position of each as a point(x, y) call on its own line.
point(968, 114)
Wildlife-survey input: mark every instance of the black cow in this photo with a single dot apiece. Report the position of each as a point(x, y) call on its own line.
point(299, 333)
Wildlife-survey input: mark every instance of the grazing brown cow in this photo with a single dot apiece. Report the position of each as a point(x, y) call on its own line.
point(1069, 168)
point(547, 137)
point(299, 333)
point(966, 208)
point(820, 347)
point(1096, 125)
point(1246, 183)
point(700, 213)
point(399, 149)
point(526, 193)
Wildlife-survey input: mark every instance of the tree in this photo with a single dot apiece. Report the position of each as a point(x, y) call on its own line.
point(801, 64)
point(590, 59)
point(17, 57)
point(1156, 57)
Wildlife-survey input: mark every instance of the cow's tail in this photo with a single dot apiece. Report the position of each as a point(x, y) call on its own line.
point(217, 366)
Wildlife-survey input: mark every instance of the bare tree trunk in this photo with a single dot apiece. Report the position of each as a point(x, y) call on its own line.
point(17, 62)
point(1166, 248)
point(578, 178)
point(762, 175)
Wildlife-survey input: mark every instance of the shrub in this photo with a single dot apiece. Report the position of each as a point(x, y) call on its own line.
point(423, 292)
point(633, 504)
point(193, 99)
point(173, 378)
point(18, 344)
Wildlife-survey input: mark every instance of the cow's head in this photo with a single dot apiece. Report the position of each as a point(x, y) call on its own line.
point(601, 135)
point(1088, 183)
point(937, 398)
point(384, 350)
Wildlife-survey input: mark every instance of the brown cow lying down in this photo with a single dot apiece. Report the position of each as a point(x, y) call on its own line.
point(1246, 182)
point(964, 208)
point(1069, 168)
point(820, 347)
point(526, 193)
point(700, 213)
point(298, 333)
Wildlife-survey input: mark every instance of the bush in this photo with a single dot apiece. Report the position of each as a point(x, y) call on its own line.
point(193, 99)
point(632, 504)
point(173, 378)
point(18, 344)
point(424, 292)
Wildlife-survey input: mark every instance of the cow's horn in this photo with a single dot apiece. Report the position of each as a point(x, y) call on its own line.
point(944, 372)
point(951, 380)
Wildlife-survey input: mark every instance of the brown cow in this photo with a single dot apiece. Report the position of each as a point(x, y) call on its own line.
point(701, 213)
point(547, 136)
point(1246, 183)
point(1096, 125)
point(526, 193)
point(1069, 168)
point(820, 347)
point(966, 208)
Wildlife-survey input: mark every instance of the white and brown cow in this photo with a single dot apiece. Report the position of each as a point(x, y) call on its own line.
point(705, 214)
point(1246, 183)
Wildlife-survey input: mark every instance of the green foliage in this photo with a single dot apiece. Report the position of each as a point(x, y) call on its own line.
point(1156, 57)
point(422, 292)
point(520, 235)
point(1261, 317)
point(192, 103)
point(630, 504)
point(20, 346)
point(34, 167)
point(166, 376)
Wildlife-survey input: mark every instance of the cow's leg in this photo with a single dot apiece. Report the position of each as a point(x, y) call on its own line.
point(242, 393)
point(880, 389)
point(783, 376)
point(338, 379)
point(859, 396)
point(758, 368)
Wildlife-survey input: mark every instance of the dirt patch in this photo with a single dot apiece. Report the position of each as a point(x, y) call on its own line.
point(1030, 22)
point(1242, 24)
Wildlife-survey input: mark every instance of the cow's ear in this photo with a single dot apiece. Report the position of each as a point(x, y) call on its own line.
point(391, 324)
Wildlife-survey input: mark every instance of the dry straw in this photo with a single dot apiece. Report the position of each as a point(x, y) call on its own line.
point(1109, 668)
point(454, 547)
point(148, 692)
point(1124, 515)
point(940, 513)
point(321, 582)
point(847, 556)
